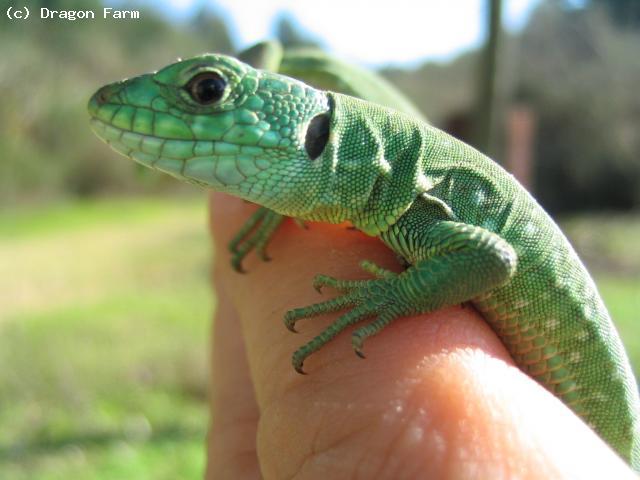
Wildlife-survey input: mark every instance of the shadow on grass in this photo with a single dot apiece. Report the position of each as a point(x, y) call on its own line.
point(168, 433)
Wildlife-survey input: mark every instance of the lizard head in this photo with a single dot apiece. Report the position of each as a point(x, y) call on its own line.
point(216, 122)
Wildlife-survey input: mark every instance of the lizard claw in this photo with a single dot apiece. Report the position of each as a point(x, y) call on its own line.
point(320, 281)
point(290, 321)
point(357, 343)
point(236, 264)
point(297, 361)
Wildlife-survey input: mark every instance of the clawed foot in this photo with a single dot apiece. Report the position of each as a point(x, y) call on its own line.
point(254, 234)
point(376, 297)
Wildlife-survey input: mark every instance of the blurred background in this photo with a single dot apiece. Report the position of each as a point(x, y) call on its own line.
point(105, 304)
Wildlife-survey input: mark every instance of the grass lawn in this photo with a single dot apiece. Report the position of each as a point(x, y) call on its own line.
point(609, 243)
point(105, 313)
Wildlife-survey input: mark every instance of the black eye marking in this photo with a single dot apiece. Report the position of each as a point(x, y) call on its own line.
point(206, 88)
point(317, 135)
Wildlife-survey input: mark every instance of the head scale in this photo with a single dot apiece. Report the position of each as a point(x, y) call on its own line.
point(216, 122)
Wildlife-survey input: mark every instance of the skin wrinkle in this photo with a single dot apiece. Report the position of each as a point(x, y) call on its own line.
point(387, 455)
point(358, 465)
point(315, 454)
point(271, 356)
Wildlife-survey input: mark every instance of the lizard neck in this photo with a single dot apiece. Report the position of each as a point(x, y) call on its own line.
point(371, 165)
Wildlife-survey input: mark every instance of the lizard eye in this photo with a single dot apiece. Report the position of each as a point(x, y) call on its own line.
point(207, 88)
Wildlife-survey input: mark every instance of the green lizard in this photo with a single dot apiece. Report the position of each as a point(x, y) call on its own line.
point(468, 231)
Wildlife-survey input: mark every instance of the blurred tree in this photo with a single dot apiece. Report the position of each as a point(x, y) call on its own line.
point(47, 73)
point(291, 35)
point(573, 67)
point(212, 29)
point(624, 12)
point(483, 131)
point(579, 72)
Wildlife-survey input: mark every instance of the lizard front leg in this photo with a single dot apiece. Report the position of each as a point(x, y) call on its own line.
point(256, 233)
point(452, 263)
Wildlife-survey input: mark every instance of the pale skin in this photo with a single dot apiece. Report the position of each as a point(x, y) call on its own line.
point(437, 396)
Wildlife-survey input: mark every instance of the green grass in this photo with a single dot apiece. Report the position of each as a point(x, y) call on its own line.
point(622, 297)
point(105, 312)
point(609, 243)
point(29, 221)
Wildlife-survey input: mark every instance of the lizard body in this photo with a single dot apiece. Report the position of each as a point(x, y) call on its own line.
point(468, 230)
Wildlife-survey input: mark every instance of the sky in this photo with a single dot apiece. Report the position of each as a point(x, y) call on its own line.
point(373, 32)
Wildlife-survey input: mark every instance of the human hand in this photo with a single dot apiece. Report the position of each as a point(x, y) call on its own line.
point(438, 396)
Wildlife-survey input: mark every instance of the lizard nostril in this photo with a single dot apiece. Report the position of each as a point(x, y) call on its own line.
point(102, 97)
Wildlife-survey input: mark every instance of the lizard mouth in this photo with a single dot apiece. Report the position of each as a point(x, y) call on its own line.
point(144, 149)
point(203, 162)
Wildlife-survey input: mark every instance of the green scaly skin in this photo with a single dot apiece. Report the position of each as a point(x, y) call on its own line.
point(323, 71)
point(468, 230)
